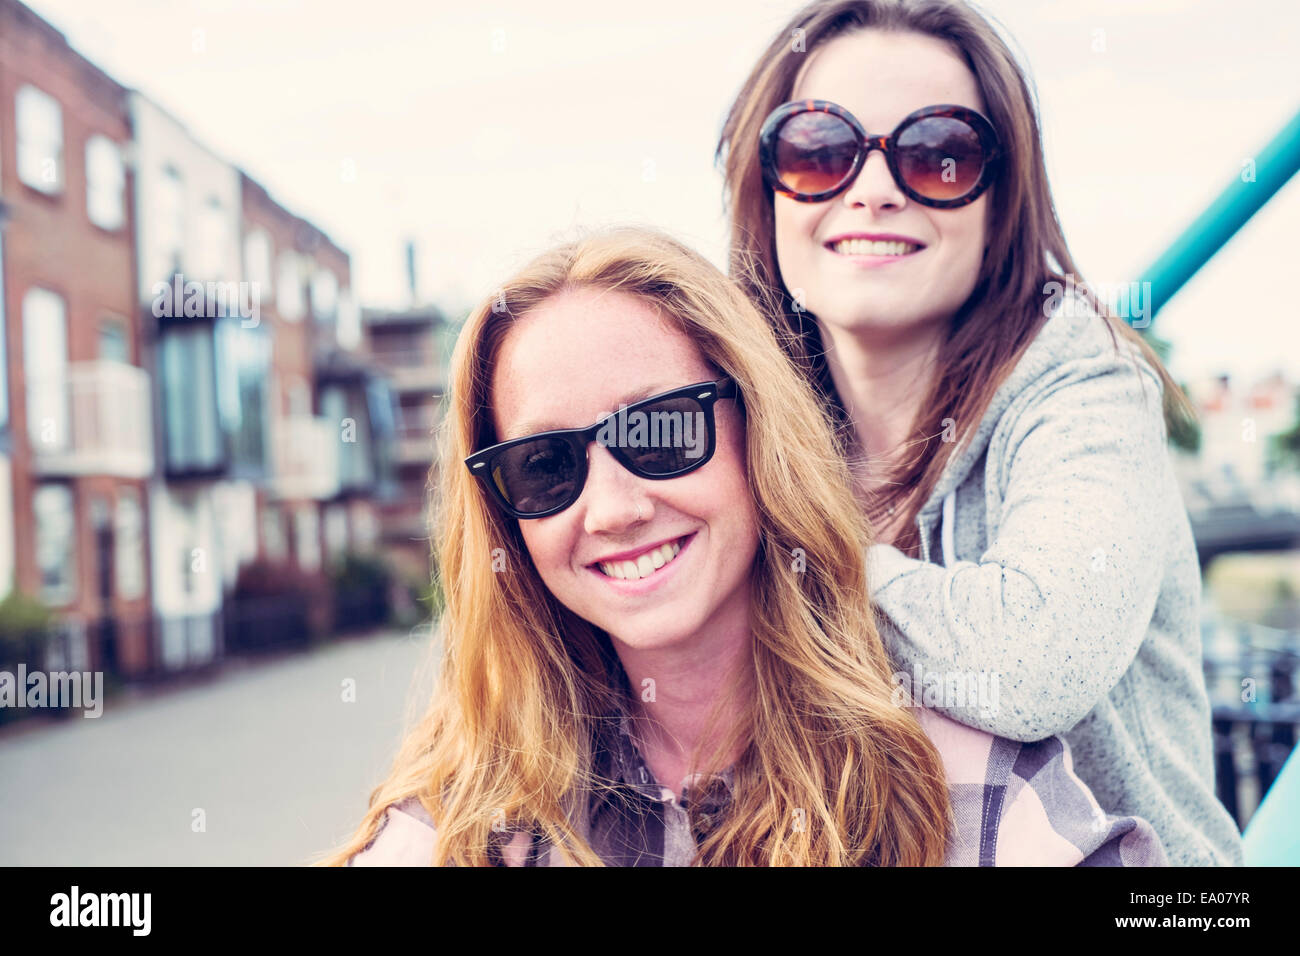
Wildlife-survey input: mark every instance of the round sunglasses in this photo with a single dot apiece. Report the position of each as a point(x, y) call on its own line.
point(940, 156)
point(663, 436)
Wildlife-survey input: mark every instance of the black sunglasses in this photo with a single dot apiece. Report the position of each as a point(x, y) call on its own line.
point(660, 437)
point(940, 156)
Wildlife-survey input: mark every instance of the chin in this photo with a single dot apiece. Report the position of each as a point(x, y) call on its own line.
point(647, 635)
point(871, 315)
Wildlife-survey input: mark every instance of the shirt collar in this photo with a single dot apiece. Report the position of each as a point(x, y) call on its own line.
point(699, 791)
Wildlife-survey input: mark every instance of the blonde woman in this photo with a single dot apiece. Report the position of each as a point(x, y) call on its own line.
point(658, 647)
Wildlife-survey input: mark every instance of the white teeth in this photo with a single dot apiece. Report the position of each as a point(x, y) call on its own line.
point(874, 247)
point(644, 566)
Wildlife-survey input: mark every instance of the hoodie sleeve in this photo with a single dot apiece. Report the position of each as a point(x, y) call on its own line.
point(1055, 609)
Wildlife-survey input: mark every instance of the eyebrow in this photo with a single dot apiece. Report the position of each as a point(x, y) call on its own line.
point(541, 425)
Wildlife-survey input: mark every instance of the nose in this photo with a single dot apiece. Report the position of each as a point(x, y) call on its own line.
point(875, 187)
point(613, 498)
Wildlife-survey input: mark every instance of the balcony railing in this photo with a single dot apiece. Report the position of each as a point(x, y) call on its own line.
point(412, 370)
point(94, 418)
point(414, 446)
point(306, 454)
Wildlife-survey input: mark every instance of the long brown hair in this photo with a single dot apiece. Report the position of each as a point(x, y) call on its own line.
point(1026, 247)
point(833, 772)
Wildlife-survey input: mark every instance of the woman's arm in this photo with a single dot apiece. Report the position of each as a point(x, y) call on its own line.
point(1062, 598)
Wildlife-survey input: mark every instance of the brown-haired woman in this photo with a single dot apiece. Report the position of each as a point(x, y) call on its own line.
point(890, 208)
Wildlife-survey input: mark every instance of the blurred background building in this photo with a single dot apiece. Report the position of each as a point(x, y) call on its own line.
point(203, 447)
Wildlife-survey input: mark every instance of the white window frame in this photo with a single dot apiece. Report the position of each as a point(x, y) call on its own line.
point(289, 300)
point(306, 537)
point(45, 361)
point(56, 502)
point(324, 295)
point(258, 257)
point(168, 214)
point(105, 184)
point(128, 542)
point(40, 139)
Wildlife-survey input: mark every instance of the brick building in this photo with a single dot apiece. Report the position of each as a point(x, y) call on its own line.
point(184, 384)
point(77, 424)
point(412, 347)
point(330, 423)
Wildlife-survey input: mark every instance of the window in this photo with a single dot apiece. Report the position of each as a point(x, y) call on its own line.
point(190, 426)
point(243, 372)
point(185, 538)
point(349, 325)
point(128, 540)
point(306, 527)
point(213, 239)
point(6, 525)
point(257, 261)
point(273, 537)
point(289, 298)
point(39, 119)
point(105, 184)
point(299, 397)
point(45, 360)
point(55, 536)
point(113, 345)
point(336, 531)
point(169, 220)
point(324, 295)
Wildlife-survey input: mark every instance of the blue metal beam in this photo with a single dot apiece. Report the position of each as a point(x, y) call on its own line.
point(1244, 196)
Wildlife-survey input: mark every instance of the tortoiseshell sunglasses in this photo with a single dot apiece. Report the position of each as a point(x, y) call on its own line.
point(941, 156)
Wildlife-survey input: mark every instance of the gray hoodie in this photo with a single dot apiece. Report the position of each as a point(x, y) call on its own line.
point(1069, 583)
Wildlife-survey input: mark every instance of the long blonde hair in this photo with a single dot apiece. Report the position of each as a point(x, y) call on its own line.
point(833, 771)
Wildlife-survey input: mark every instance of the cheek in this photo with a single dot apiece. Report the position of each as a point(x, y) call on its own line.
point(965, 237)
point(793, 222)
point(735, 498)
point(545, 541)
point(794, 225)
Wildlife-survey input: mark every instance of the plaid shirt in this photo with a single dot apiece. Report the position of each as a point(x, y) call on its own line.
point(1014, 804)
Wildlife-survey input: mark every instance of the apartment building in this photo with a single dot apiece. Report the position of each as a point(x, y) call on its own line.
point(331, 415)
point(411, 346)
point(210, 356)
point(76, 446)
point(184, 383)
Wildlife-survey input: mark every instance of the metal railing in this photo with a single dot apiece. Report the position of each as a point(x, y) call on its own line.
point(1253, 676)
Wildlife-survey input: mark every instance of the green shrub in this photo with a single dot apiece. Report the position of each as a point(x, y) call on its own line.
point(24, 627)
point(360, 583)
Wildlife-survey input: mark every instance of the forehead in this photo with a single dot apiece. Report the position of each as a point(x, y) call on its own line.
point(582, 353)
point(881, 76)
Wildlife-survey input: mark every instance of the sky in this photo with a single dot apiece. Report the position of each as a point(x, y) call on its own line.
point(486, 131)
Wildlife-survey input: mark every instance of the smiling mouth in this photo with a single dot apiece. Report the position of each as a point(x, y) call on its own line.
point(645, 564)
point(874, 247)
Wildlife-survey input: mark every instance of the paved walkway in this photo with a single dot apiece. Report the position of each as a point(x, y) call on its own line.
point(280, 764)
